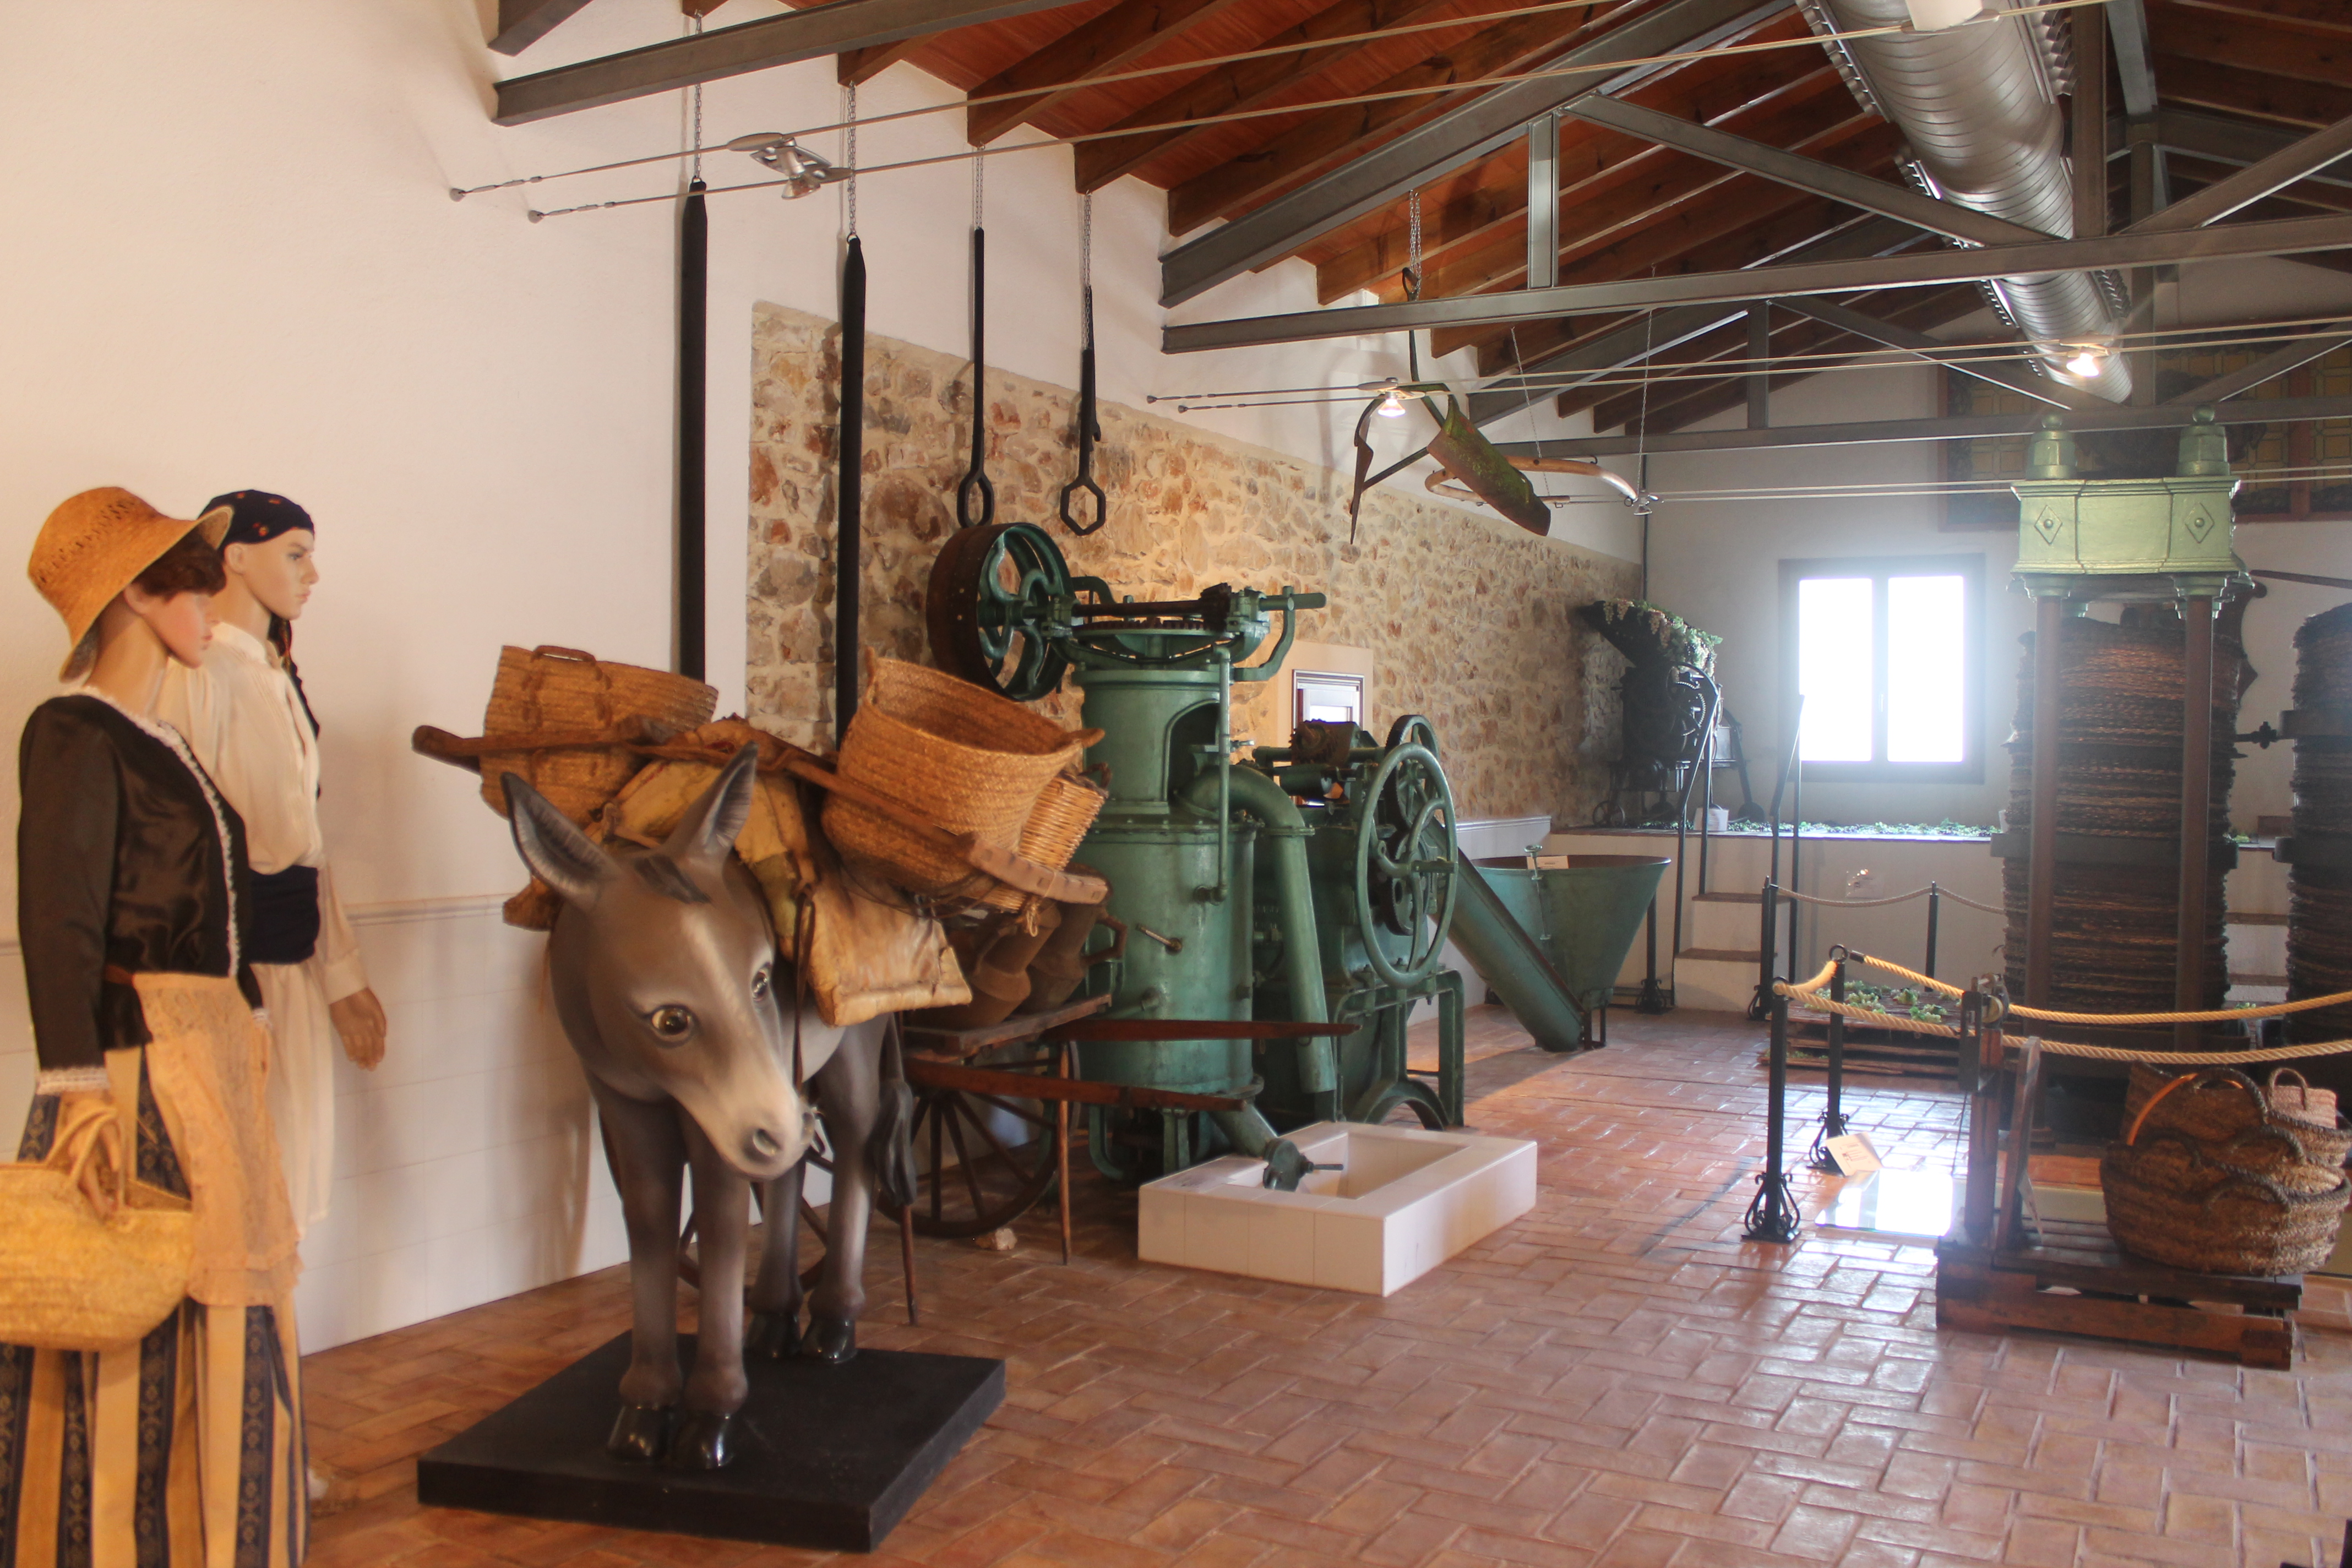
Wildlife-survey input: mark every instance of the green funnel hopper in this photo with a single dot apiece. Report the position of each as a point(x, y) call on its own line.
point(1582, 910)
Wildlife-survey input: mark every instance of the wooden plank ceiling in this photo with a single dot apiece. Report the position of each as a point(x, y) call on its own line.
point(1628, 208)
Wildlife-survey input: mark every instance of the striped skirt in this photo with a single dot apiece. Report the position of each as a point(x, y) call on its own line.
point(185, 1450)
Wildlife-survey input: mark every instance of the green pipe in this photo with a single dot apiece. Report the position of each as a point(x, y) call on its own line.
point(1499, 948)
point(1285, 836)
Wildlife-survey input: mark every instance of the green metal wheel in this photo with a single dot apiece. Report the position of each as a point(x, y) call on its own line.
point(990, 607)
point(1404, 862)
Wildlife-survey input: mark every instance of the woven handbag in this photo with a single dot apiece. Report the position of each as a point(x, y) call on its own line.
point(70, 1281)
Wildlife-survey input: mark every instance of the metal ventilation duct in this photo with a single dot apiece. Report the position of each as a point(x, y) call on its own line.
point(1978, 105)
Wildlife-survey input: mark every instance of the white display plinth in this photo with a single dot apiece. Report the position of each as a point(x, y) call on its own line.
point(1402, 1202)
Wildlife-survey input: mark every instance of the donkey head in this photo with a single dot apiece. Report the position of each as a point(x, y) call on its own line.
point(667, 958)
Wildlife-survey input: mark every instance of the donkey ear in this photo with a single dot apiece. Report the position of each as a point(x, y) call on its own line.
point(557, 853)
point(708, 830)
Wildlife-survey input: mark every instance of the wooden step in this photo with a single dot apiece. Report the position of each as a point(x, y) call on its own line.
point(2277, 982)
point(1750, 899)
point(1752, 957)
point(2255, 918)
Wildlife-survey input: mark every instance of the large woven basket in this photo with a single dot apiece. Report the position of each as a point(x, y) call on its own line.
point(968, 760)
point(1057, 824)
point(2217, 1106)
point(546, 690)
point(2171, 1202)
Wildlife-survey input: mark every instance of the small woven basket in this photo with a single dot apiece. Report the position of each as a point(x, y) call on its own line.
point(562, 688)
point(968, 760)
point(2171, 1202)
point(1056, 826)
point(73, 1282)
point(2311, 1114)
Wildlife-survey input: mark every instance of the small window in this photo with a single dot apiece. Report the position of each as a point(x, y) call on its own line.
point(1889, 658)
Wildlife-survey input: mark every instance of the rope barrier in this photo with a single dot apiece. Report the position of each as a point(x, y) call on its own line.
point(1936, 888)
point(2197, 1058)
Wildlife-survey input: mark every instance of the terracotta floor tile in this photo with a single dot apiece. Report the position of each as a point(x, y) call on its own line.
point(1617, 1380)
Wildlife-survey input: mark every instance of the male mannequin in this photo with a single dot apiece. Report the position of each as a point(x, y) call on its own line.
point(246, 718)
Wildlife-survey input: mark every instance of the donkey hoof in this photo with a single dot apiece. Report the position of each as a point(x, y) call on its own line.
point(704, 1442)
point(833, 1340)
point(640, 1433)
point(772, 1335)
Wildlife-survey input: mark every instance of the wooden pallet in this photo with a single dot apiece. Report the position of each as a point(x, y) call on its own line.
point(2078, 1281)
point(1870, 1052)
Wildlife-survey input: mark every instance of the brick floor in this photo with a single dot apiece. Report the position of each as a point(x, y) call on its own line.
point(1613, 1381)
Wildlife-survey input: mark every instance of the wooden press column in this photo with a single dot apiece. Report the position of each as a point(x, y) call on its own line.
point(2041, 844)
point(2196, 803)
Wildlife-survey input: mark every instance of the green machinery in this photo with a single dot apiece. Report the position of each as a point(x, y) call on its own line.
point(1242, 906)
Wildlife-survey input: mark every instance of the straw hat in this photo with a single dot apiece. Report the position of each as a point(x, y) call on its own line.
point(96, 543)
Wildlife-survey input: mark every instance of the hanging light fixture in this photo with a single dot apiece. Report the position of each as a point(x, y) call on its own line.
point(2084, 357)
point(803, 172)
point(1390, 394)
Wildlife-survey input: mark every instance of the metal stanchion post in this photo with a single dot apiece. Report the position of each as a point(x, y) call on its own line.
point(1772, 1216)
point(1768, 943)
point(1653, 998)
point(1934, 899)
point(1834, 1113)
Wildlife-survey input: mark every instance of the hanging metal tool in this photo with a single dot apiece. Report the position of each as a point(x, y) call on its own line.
point(849, 498)
point(975, 496)
point(1089, 421)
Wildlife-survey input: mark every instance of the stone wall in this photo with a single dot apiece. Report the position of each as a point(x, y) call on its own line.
point(1468, 617)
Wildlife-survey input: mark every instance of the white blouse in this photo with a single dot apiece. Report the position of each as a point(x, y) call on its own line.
point(245, 723)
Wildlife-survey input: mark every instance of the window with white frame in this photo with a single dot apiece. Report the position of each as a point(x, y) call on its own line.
point(1886, 655)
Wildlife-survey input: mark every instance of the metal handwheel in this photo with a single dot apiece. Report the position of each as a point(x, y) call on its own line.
point(990, 605)
point(1404, 861)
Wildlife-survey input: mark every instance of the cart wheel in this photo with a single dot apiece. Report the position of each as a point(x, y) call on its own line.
point(986, 1159)
point(990, 605)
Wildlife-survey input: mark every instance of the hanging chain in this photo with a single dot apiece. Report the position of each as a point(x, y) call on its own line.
point(1412, 244)
point(695, 92)
point(1519, 369)
point(849, 156)
point(979, 176)
point(1086, 260)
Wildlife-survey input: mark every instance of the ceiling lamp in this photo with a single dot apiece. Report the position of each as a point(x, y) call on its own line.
point(803, 172)
point(2085, 358)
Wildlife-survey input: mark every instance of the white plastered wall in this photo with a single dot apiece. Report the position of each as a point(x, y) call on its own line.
point(1718, 564)
point(233, 261)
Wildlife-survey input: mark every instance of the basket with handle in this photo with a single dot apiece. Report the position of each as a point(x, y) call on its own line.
point(73, 1280)
point(566, 692)
point(1066, 809)
point(2172, 1200)
point(2311, 1114)
point(971, 762)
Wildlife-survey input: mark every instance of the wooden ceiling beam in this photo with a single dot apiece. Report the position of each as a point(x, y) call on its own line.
point(1738, 223)
point(1252, 84)
point(522, 23)
point(858, 66)
point(2192, 83)
point(1112, 41)
point(1689, 401)
point(2323, 18)
point(1593, 161)
point(1333, 135)
point(1606, 208)
point(2247, 44)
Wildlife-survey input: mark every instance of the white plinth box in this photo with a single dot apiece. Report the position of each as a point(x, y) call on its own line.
point(1402, 1202)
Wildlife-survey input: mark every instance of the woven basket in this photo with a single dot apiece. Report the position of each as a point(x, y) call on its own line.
point(73, 1282)
point(2169, 1201)
point(1056, 826)
point(562, 688)
point(968, 760)
point(2223, 1104)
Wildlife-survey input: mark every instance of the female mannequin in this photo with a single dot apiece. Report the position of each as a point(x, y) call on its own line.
point(186, 1447)
point(246, 720)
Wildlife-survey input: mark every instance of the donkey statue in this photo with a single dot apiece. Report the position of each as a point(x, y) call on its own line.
point(665, 970)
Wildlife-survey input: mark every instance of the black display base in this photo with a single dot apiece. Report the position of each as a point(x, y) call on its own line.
point(826, 1456)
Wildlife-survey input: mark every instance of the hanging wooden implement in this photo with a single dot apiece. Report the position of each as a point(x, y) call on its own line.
point(975, 496)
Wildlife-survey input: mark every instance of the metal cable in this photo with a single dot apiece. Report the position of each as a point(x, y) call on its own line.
point(1480, 84)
